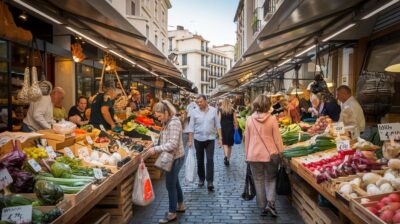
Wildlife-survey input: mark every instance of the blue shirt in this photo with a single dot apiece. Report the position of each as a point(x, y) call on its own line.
point(204, 125)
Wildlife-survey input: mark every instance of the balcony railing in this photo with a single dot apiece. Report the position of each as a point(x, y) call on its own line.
point(269, 7)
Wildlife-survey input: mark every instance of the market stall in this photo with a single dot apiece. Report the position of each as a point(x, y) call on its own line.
point(355, 178)
point(61, 174)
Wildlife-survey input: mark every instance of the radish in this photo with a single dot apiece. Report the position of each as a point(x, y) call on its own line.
point(386, 200)
point(393, 206)
point(387, 216)
point(395, 197)
point(373, 210)
point(379, 205)
point(396, 218)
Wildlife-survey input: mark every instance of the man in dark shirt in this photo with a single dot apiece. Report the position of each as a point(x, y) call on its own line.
point(102, 110)
point(77, 113)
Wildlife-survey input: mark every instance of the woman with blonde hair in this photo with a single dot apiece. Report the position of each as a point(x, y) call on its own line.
point(227, 117)
point(170, 141)
point(263, 143)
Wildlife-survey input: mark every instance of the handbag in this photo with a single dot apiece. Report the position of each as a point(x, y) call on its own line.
point(283, 183)
point(249, 188)
point(236, 137)
point(165, 160)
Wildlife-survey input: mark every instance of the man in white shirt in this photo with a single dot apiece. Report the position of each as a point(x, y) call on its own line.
point(352, 113)
point(203, 126)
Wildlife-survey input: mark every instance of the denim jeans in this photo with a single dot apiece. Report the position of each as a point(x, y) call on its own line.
point(264, 176)
point(208, 147)
point(174, 189)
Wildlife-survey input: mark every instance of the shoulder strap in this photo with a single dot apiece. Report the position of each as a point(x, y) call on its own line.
point(262, 140)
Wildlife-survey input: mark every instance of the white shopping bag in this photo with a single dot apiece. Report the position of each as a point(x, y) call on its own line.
point(143, 193)
point(190, 165)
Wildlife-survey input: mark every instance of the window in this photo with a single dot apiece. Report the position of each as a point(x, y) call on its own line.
point(163, 46)
point(156, 40)
point(170, 44)
point(155, 10)
point(184, 59)
point(133, 9)
point(184, 72)
point(202, 60)
point(147, 31)
point(163, 16)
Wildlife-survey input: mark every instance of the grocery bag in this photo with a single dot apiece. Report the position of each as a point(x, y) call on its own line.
point(190, 165)
point(249, 188)
point(236, 137)
point(143, 193)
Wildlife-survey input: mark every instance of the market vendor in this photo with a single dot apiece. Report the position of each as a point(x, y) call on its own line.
point(352, 112)
point(305, 104)
point(77, 113)
point(293, 108)
point(40, 113)
point(102, 110)
point(277, 104)
point(324, 106)
point(134, 99)
point(57, 97)
point(150, 100)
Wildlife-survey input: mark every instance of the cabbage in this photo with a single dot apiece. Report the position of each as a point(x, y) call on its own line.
point(48, 193)
point(61, 170)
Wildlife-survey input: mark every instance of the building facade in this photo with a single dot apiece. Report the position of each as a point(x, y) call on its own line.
point(250, 17)
point(198, 63)
point(220, 61)
point(150, 17)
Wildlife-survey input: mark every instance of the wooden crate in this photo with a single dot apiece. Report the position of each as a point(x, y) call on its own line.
point(307, 206)
point(57, 141)
point(363, 212)
point(78, 197)
point(119, 202)
point(95, 217)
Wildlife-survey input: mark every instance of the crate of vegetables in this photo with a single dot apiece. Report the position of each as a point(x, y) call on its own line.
point(378, 209)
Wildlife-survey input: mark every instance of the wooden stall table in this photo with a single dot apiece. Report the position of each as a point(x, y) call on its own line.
point(345, 210)
point(74, 214)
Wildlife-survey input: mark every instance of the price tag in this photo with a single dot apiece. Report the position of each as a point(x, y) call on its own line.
point(102, 127)
point(343, 145)
point(338, 128)
point(98, 174)
point(50, 152)
point(89, 140)
point(69, 153)
point(5, 178)
point(122, 133)
point(35, 166)
point(388, 130)
point(83, 152)
point(17, 214)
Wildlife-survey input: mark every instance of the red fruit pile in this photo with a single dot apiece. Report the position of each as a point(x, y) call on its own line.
point(388, 209)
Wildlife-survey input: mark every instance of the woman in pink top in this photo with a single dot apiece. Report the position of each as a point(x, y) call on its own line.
point(263, 143)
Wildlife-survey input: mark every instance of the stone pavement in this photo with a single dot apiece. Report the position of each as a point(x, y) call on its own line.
point(224, 205)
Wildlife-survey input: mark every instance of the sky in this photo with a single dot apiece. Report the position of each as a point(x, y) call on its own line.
point(212, 19)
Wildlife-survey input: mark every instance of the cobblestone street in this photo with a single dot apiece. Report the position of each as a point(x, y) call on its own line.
point(224, 205)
